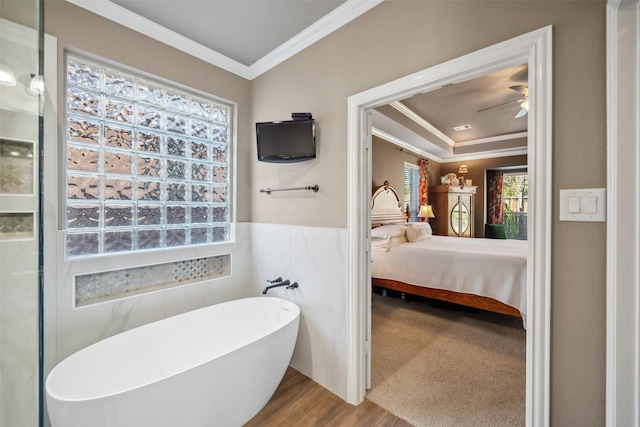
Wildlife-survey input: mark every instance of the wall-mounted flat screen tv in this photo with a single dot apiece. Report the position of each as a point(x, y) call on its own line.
point(286, 141)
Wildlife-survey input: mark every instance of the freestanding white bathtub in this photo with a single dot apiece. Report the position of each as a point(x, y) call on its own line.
point(216, 366)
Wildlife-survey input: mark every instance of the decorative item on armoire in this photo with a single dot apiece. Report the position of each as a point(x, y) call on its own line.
point(462, 171)
point(451, 179)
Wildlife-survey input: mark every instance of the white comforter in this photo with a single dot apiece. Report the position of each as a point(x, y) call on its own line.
point(492, 268)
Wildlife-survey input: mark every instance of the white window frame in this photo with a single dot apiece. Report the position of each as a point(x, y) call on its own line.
point(413, 210)
point(526, 212)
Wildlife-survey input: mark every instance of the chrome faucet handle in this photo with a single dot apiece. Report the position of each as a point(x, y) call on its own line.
point(279, 279)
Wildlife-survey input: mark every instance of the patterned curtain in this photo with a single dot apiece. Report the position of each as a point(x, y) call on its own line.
point(423, 187)
point(494, 197)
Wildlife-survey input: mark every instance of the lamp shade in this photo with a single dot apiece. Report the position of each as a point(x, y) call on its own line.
point(426, 211)
point(463, 169)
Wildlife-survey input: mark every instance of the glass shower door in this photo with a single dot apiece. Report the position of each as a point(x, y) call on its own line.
point(20, 91)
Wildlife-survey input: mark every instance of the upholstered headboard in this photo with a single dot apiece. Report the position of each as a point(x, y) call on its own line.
point(386, 207)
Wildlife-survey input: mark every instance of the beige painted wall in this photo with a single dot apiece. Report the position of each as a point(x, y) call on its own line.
point(78, 29)
point(23, 12)
point(387, 163)
point(399, 38)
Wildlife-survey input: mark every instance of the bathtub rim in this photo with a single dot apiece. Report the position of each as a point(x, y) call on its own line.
point(295, 317)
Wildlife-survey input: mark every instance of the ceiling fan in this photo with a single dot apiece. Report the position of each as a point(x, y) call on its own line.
point(524, 102)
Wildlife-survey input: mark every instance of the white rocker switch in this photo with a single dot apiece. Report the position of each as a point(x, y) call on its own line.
point(590, 205)
point(574, 205)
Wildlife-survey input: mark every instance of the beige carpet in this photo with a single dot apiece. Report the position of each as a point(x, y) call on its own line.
point(438, 367)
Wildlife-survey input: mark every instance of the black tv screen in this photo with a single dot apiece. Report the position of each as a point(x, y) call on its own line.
point(286, 141)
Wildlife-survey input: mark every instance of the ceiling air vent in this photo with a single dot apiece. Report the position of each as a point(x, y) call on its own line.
point(461, 127)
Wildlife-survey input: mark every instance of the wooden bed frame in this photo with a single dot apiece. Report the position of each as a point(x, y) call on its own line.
point(385, 199)
point(469, 300)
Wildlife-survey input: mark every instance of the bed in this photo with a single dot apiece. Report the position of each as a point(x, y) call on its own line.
point(482, 273)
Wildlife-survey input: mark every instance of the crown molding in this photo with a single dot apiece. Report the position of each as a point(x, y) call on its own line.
point(409, 113)
point(395, 133)
point(404, 145)
point(342, 15)
point(493, 139)
point(339, 17)
point(135, 22)
point(488, 154)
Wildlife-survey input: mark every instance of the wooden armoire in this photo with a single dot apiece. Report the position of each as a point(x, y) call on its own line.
point(453, 209)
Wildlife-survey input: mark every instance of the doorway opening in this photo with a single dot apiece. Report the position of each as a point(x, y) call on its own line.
point(534, 49)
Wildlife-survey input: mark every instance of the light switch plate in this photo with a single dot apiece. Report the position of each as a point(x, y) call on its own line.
point(586, 204)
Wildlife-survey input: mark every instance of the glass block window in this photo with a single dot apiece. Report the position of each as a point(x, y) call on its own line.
point(98, 287)
point(147, 163)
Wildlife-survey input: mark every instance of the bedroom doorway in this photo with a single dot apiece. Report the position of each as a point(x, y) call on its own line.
point(534, 49)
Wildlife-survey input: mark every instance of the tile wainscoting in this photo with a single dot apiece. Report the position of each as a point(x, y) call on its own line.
point(316, 258)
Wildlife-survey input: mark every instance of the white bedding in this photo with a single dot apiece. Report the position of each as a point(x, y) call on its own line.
point(488, 267)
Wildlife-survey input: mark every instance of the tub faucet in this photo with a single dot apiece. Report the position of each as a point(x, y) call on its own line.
point(286, 283)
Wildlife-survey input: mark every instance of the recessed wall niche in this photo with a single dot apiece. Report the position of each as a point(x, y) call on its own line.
point(16, 179)
point(16, 226)
point(16, 167)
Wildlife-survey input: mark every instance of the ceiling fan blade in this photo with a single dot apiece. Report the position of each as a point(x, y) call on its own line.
point(521, 113)
point(520, 88)
point(501, 105)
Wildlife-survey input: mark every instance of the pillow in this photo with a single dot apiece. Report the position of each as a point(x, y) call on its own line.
point(378, 244)
point(397, 240)
point(417, 231)
point(389, 231)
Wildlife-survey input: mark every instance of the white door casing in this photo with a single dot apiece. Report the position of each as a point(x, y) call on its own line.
point(623, 214)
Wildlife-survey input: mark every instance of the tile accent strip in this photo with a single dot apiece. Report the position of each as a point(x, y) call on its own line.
point(98, 287)
point(16, 226)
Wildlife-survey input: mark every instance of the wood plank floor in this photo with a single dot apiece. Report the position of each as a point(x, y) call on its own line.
point(301, 402)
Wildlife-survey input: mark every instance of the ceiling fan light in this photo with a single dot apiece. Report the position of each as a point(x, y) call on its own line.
point(7, 77)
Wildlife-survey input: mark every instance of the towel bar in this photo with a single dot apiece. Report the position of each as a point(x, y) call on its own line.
point(315, 189)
